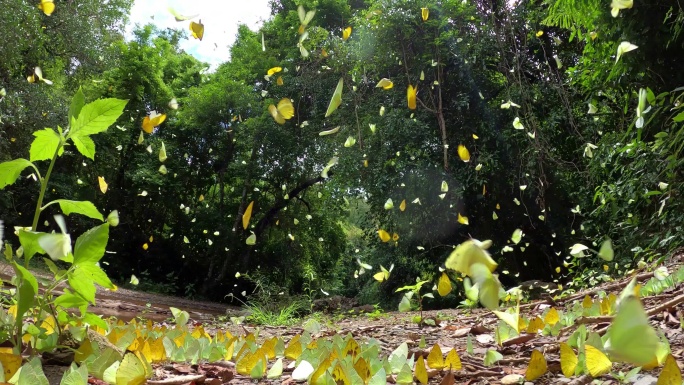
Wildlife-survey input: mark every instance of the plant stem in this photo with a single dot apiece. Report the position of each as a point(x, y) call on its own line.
point(43, 187)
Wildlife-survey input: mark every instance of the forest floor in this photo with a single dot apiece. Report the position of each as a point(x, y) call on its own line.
point(391, 329)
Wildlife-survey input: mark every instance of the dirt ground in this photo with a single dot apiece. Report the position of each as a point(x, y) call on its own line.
point(391, 329)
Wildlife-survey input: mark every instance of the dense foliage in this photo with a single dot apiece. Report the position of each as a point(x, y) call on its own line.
point(561, 174)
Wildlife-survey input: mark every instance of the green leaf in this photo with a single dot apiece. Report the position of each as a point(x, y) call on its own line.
point(85, 146)
point(30, 373)
point(51, 265)
point(82, 283)
point(45, 144)
point(10, 171)
point(95, 320)
point(69, 299)
point(77, 104)
point(679, 117)
point(27, 289)
point(97, 116)
point(97, 275)
point(90, 246)
point(86, 208)
point(29, 241)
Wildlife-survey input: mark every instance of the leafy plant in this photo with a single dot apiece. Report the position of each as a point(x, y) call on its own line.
point(83, 270)
point(411, 291)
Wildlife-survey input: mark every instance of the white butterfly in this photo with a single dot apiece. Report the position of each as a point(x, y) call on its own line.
point(2, 229)
point(57, 245)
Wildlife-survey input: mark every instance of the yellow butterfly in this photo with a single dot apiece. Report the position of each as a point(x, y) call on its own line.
point(537, 366)
point(180, 17)
point(37, 76)
point(617, 5)
point(304, 18)
point(383, 274)
point(47, 6)
point(597, 362)
point(468, 253)
point(385, 83)
point(568, 360)
point(197, 30)
point(11, 363)
point(283, 112)
point(346, 33)
point(443, 286)
point(336, 99)
point(463, 153)
point(425, 13)
point(152, 120)
point(274, 70)
point(463, 220)
point(671, 375)
point(411, 96)
point(435, 360)
point(247, 215)
point(384, 235)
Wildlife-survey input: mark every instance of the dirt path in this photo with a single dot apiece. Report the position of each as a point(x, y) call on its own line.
point(127, 304)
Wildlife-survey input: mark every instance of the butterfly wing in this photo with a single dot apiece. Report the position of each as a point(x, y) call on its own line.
point(131, 371)
point(197, 30)
point(285, 108)
point(630, 321)
point(336, 99)
point(568, 360)
point(411, 96)
point(537, 366)
point(275, 114)
point(597, 362)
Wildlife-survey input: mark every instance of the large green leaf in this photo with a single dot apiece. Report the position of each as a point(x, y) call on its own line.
point(90, 246)
point(97, 116)
point(27, 289)
point(86, 208)
point(85, 146)
point(83, 278)
point(98, 275)
point(82, 283)
point(29, 241)
point(70, 300)
point(10, 171)
point(679, 117)
point(44, 145)
point(77, 103)
point(95, 320)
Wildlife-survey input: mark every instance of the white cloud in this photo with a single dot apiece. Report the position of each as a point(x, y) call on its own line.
point(220, 18)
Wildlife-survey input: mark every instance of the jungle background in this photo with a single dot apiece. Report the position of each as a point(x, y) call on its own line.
point(585, 162)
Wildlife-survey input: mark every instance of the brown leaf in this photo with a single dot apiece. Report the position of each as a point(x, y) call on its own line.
point(183, 369)
point(448, 379)
point(521, 339)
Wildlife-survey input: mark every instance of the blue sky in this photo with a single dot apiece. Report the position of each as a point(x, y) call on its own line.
point(220, 18)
